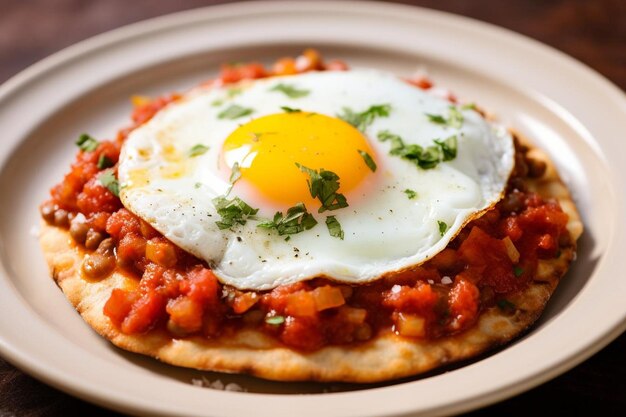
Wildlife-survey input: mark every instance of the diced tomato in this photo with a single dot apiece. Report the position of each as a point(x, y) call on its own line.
point(201, 285)
point(96, 198)
point(123, 222)
point(119, 305)
point(418, 299)
point(186, 313)
point(463, 303)
point(482, 250)
point(302, 333)
point(144, 314)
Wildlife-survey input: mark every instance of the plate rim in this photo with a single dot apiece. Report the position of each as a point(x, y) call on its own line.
point(143, 28)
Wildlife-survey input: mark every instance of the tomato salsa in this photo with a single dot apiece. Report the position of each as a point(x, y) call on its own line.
point(492, 258)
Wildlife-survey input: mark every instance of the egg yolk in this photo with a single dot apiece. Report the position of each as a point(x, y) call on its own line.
point(268, 148)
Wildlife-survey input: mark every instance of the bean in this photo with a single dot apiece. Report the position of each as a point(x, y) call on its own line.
point(47, 211)
point(513, 202)
point(98, 265)
point(61, 218)
point(106, 247)
point(78, 231)
point(93, 239)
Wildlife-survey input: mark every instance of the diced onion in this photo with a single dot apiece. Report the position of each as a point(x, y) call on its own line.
point(327, 297)
point(511, 250)
point(410, 325)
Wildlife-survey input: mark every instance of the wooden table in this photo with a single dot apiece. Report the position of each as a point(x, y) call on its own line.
point(592, 31)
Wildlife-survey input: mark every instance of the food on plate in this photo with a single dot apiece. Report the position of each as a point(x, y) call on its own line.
point(310, 222)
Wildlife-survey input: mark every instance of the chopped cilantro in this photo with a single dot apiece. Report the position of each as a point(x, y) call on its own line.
point(288, 109)
point(197, 185)
point(410, 193)
point(323, 185)
point(468, 106)
point(234, 111)
point(217, 103)
point(448, 147)
point(104, 162)
point(109, 180)
point(196, 150)
point(365, 118)
point(235, 173)
point(296, 220)
point(87, 143)
point(518, 271)
point(275, 320)
point(232, 212)
point(454, 119)
point(435, 118)
point(290, 91)
point(368, 160)
point(442, 227)
point(425, 158)
point(334, 227)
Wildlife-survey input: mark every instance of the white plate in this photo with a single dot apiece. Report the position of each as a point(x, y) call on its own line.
point(572, 112)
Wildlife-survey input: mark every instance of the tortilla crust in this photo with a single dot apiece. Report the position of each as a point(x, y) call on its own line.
point(385, 357)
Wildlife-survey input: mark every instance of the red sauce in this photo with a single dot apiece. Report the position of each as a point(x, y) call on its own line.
point(442, 297)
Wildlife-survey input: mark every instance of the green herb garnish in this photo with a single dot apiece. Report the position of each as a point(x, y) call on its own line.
point(296, 220)
point(234, 111)
point(425, 158)
point(518, 271)
point(369, 161)
point(288, 109)
point(448, 147)
point(235, 173)
point(454, 119)
point(87, 143)
point(275, 320)
point(104, 162)
point(442, 227)
point(410, 193)
point(196, 150)
point(290, 91)
point(365, 118)
point(323, 185)
point(334, 227)
point(109, 180)
point(232, 212)
point(234, 91)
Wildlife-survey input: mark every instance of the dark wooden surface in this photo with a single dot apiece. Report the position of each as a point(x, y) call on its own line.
point(594, 32)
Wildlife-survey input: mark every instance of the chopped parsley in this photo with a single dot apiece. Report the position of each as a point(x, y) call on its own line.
point(290, 91)
point(288, 109)
point(454, 119)
point(334, 227)
point(469, 106)
point(296, 220)
point(275, 320)
point(234, 111)
point(365, 118)
point(410, 193)
point(196, 150)
point(425, 158)
point(232, 212)
point(368, 160)
point(104, 162)
point(197, 185)
point(87, 143)
point(108, 180)
point(323, 185)
point(518, 271)
point(442, 227)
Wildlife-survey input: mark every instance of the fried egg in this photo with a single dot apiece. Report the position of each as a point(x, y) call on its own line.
point(349, 175)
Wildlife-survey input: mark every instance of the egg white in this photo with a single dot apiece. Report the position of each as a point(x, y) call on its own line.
point(385, 231)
